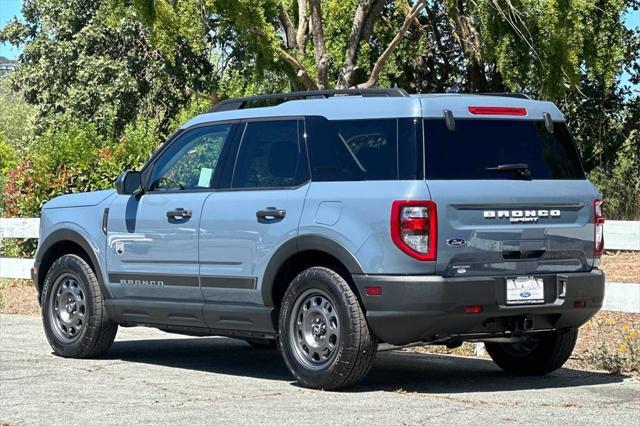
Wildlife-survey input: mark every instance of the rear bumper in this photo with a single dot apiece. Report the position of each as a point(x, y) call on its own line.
point(432, 308)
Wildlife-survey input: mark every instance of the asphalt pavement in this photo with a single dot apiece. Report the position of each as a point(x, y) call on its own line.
point(150, 377)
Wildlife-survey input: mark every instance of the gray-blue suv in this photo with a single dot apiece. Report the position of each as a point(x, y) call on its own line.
point(328, 222)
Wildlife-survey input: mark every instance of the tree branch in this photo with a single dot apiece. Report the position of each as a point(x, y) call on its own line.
point(303, 25)
point(287, 25)
point(344, 79)
point(301, 71)
point(317, 31)
point(466, 35)
point(384, 57)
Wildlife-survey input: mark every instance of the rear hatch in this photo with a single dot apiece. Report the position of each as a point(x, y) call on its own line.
point(512, 197)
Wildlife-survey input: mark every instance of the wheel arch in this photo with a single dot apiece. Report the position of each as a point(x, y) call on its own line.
point(59, 243)
point(300, 253)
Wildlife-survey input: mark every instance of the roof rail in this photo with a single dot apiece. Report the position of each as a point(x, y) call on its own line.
point(505, 94)
point(278, 98)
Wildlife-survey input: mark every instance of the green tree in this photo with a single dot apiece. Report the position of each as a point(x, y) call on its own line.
point(90, 59)
point(538, 46)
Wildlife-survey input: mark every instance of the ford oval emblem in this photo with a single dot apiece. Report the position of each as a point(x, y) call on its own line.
point(456, 242)
point(525, 294)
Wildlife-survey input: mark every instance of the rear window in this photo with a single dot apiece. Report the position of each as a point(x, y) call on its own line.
point(475, 145)
point(353, 150)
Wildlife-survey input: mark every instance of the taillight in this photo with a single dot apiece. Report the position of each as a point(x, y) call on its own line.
point(480, 110)
point(414, 228)
point(598, 228)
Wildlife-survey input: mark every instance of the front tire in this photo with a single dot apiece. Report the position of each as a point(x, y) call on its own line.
point(541, 354)
point(324, 337)
point(74, 315)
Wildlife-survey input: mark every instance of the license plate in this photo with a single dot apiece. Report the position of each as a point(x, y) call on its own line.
point(525, 290)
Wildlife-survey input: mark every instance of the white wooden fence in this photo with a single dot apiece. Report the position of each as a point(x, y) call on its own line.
point(619, 235)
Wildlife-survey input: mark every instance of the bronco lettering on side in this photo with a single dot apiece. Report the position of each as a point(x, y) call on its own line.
point(142, 283)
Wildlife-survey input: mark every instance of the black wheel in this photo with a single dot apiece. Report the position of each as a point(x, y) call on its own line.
point(73, 312)
point(262, 343)
point(324, 337)
point(541, 354)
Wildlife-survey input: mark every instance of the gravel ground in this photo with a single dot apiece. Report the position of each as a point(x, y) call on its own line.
point(151, 377)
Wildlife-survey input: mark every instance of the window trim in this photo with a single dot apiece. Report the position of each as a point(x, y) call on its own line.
point(238, 145)
point(149, 168)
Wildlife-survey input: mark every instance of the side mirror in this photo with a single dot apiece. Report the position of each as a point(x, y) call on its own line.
point(128, 183)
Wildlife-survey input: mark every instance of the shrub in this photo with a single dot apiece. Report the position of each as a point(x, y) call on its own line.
point(620, 184)
point(620, 356)
point(71, 157)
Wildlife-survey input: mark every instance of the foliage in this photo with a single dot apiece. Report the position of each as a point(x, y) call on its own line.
point(16, 125)
point(620, 356)
point(620, 184)
point(74, 157)
point(17, 118)
point(539, 46)
point(82, 58)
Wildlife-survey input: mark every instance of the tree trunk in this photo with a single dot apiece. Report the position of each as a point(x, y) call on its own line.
point(317, 32)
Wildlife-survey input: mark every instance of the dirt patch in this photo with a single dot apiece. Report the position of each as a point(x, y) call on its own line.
point(621, 266)
point(18, 297)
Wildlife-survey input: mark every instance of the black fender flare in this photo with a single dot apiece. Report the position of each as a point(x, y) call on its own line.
point(68, 235)
point(299, 244)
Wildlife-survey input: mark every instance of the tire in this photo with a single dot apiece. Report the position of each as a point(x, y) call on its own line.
point(321, 313)
point(545, 353)
point(262, 343)
point(74, 315)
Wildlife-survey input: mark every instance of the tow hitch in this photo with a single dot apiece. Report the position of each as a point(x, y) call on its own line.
point(517, 326)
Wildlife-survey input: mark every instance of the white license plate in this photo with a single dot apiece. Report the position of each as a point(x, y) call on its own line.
point(525, 290)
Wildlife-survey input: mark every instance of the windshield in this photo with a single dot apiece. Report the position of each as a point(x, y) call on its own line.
point(476, 149)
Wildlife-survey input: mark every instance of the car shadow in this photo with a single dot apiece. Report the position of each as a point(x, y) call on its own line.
point(393, 370)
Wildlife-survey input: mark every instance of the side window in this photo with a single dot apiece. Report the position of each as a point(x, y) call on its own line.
point(190, 162)
point(344, 150)
point(271, 155)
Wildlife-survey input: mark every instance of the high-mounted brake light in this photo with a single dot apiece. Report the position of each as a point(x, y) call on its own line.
point(598, 228)
point(414, 228)
point(480, 110)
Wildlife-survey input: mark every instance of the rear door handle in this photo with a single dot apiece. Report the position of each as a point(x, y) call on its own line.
point(271, 214)
point(179, 214)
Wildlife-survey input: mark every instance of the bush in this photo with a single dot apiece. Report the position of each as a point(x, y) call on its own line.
point(621, 355)
point(620, 185)
point(71, 157)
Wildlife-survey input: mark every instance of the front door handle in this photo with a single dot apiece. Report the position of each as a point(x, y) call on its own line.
point(270, 214)
point(179, 214)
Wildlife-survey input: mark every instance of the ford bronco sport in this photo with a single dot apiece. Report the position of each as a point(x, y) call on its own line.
point(328, 222)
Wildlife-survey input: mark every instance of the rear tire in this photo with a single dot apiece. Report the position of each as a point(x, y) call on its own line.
point(324, 337)
point(544, 353)
point(74, 315)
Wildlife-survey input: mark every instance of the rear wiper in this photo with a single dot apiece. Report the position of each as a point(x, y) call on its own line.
point(522, 169)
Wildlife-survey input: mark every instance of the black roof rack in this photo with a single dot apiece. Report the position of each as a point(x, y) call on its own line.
point(505, 94)
point(278, 98)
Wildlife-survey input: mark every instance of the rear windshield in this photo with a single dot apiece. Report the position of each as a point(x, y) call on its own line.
point(475, 145)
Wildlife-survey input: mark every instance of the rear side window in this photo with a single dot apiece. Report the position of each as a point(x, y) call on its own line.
point(475, 145)
point(353, 150)
point(270, 156)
